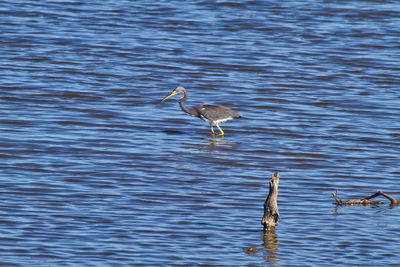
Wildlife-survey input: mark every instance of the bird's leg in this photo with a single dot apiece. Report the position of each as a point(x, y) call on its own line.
point(220, 130)
point(212, 128)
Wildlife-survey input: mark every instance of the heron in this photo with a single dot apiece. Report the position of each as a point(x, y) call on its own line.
point(209, 113)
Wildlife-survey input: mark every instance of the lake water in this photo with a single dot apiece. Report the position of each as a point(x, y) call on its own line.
point(96, 171)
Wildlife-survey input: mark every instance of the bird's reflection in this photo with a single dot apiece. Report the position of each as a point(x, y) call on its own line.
point(218, 145)
point(208, 144)
point(212, 142)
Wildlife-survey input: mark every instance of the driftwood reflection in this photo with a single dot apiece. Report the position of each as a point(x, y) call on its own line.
point(270, 243)
point(269, 249)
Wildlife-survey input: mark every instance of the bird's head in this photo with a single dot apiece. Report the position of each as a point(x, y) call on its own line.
point(178, 89)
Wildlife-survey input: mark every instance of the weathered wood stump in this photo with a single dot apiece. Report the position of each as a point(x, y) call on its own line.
point(366, 200)
point(271, 213)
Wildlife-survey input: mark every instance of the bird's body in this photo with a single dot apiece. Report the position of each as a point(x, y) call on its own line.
point(209, 113)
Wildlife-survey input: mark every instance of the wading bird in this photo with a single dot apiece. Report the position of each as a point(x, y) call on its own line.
point(209, 113)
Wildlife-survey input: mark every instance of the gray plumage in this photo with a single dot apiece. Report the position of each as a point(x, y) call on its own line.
point(209, 113)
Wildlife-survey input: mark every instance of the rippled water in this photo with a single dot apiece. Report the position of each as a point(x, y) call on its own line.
point(96, 171)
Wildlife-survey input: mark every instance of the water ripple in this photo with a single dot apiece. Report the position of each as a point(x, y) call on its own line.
point(95, 170)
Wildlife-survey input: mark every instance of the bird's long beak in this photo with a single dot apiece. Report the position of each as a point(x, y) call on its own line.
point(168, 96)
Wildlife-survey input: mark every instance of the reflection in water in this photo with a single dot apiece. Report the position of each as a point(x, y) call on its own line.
point(335, 209)
point(209, 144)
point(270, 247)
point(270, 242)
point(214, 145)
point(216, 141)
point(88, 153)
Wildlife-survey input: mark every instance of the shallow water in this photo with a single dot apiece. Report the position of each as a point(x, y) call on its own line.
point(96, 171)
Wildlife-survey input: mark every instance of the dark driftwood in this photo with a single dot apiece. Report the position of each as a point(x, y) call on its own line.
point(271, 213)
point(365, 201)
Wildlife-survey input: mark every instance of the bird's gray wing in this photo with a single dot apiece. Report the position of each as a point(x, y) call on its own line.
point(217, 113)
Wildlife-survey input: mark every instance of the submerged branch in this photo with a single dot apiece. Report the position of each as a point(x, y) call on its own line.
point(366, 200)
